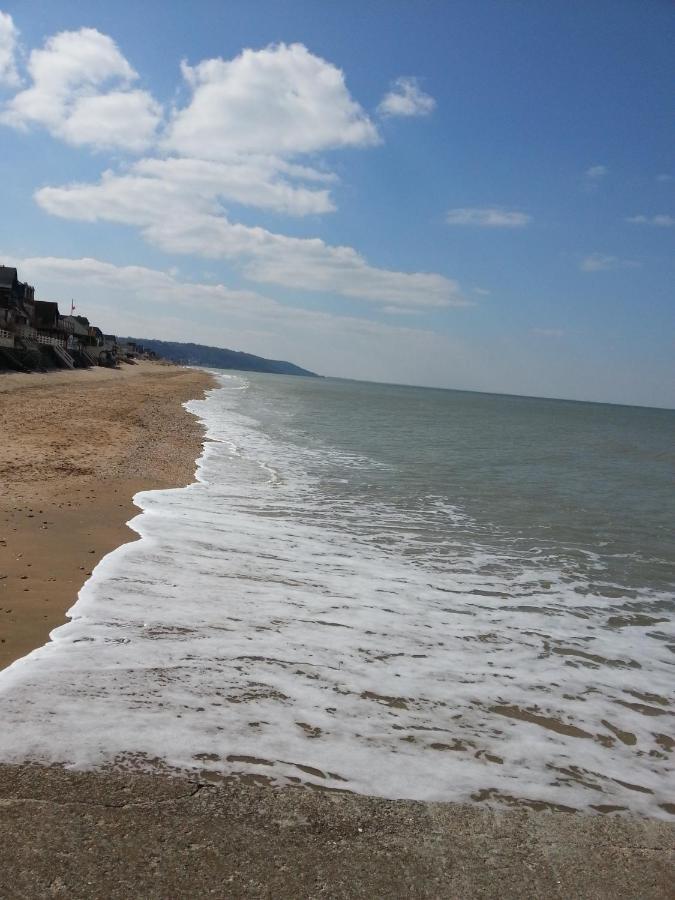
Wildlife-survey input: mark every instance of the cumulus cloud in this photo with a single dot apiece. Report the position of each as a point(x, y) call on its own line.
point(176, 218)
point(487, 217)
point(660, 221)
point(599, 262)
point(8, 44)
point(406, 98)
point(236, 140)
point(281, 99)
point(81, 93)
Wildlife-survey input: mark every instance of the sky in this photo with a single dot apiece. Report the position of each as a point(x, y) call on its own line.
point(470, 194)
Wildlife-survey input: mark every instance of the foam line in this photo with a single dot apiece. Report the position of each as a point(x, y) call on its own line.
point(258, 627)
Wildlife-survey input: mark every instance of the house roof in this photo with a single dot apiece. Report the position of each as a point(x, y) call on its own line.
point(74, 326)
point(46, 311)
point(7, 276)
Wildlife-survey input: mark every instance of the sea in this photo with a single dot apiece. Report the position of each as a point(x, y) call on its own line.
point(388, 590)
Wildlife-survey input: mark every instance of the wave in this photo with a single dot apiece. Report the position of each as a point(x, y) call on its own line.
point(266, 627)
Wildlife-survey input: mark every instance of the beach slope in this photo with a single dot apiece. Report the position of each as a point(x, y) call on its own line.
point(74, 449)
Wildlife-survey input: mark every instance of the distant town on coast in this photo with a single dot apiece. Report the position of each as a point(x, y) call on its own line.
point(36, 337)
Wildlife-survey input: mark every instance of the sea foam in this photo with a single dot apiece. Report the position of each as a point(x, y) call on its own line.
point(252, 630)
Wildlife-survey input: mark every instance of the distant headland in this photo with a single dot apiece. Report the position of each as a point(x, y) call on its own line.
point(219, 358)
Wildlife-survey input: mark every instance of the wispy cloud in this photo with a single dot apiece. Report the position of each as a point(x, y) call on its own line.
point(548, 332)
point(594, 173)
point(8, 45)
point(599, 262)
point(399, 311)
point(593, 178)
point(665, 177)
point(125, 300)
point(487, 217)
point(185, 217)
point(406, 98)
point(660, 221)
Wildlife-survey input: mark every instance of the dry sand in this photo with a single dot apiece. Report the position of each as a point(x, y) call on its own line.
point(74, 448)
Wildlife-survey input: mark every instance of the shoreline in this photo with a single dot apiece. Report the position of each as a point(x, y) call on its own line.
point(76, 447)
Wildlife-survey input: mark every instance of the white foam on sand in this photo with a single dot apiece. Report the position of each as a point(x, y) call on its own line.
point(246, 633)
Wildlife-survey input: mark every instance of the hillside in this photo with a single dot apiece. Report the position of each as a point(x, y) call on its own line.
point(220, 358)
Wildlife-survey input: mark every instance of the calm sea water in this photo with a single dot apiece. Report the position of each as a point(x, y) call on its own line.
point(390, 590)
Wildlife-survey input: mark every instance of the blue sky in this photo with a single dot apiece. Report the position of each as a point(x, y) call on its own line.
point(477, 195)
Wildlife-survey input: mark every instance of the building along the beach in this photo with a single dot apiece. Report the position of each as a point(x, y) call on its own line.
point(17, 299)
point(34, 336)
point(81, 344)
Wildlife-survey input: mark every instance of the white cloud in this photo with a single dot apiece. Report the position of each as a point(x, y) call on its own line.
point(665, 177)
point(487, 217)
point(660, 221)
point(598, 262)
point(311, 264)
point(406, 98)
point(179, 215)
point(67, 94)
point(264, 182)
point(124, 119)
point(151, 285)
point(596, 172)
point(281, 100)
point(237, 140)
point(149, 303)
point(8, 44)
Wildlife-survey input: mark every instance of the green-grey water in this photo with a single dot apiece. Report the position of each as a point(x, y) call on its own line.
point(589, 484)
point(391, 590)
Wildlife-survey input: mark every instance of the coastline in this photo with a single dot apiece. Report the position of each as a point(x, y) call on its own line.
point(76, 447)
point(91, 443)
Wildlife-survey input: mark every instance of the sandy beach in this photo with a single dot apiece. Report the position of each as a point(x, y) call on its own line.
point(75, 448)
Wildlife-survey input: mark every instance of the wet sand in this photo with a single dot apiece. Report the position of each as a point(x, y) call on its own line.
point(74, 448)
point(65, 834)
